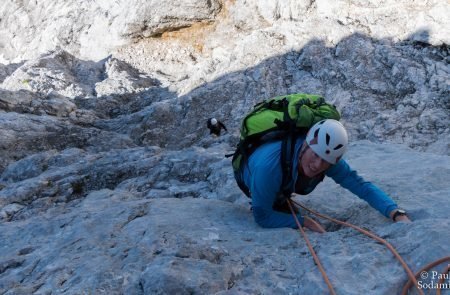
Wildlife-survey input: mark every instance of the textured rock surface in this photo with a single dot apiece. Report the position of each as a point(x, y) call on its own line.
point(110, 181)
point(91, 29)
point(173, 222)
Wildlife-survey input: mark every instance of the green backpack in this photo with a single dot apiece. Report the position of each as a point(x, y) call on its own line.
point(280, 118)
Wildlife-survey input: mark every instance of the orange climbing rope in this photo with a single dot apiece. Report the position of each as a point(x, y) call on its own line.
point(313, 253)
point(426, 268)
point(441, 281)
point(412, 277)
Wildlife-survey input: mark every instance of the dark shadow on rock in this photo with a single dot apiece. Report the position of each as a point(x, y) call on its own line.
point(6, 70)
point(420, 36)
point(364, 77)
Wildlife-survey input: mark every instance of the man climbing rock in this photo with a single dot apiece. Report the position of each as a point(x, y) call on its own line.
point(317, 155)
point(215, 126)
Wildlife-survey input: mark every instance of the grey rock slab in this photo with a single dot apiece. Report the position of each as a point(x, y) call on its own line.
point(77, 249)
point(56, 72)
point(114, 242)
point(69, 175)
point(28, 167)
point(44, 179)
point(25, 134)
point(131, 240)
point(111, 183)
point(8, 69)
point(121, 79)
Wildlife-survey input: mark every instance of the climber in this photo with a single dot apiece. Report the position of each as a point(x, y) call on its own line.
point(215, 126)
point(315, 156)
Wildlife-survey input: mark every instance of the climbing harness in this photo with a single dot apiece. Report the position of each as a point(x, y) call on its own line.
point(411, 275)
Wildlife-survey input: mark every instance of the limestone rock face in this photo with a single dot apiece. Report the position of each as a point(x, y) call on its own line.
point(147, 221)
point(121, 79)
point(92, 29)
point(110, 181)
point(58, 72)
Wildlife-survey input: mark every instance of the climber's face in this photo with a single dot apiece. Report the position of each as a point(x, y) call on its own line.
point(310, 164)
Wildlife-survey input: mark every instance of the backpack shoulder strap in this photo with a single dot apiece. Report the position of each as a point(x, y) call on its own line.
point(287, 154)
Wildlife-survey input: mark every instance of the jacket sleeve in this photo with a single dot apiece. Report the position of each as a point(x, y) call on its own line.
point(343, 175)
point(223, 126)
point(264, 188)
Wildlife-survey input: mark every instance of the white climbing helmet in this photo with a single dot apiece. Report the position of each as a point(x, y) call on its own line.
point(213, 121)
point(328, 139)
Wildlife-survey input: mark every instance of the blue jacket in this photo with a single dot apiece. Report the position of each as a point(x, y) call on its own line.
point(262, 174)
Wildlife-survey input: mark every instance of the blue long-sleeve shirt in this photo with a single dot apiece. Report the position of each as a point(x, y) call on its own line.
point(262, 174)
